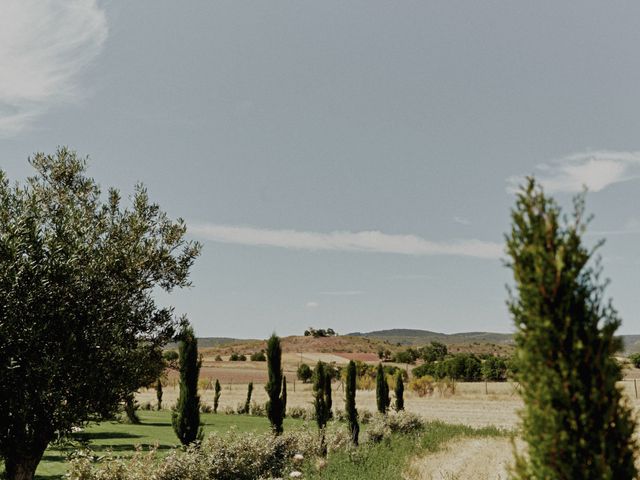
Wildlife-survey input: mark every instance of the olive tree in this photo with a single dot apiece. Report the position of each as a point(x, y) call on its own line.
point(78, 321)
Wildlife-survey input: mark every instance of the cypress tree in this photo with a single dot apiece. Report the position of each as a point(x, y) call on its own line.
point(327, 394)
point(321, 402)
point(216, 396)
point(186, 416)
point(577, 424)
point(382, 391)
point(274, 384)
point(247, 403)
point(159, 393)
point(284, 397)
point(399, 391)
point(130, 409)
point(350, 402)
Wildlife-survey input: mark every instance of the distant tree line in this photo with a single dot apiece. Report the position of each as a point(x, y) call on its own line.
point(320, 332)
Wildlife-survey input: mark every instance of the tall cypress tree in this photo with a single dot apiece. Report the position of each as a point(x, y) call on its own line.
point(216, 396)
point(576, 422)
point(186, 416)
point(284, 397)
point(350, 402)
point(322, 402)
point(247, 403)
point(399, 391)
point(382, 391)
point(274, 384)
point(159, 393)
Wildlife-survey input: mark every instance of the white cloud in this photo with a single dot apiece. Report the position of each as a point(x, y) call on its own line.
point(340, 293)
point(462, 220)
point(44, 45)
point(366, 241)
point(595, 170)
point(312, 305)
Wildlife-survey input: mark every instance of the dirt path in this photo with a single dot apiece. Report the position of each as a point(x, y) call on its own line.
point(477, 458)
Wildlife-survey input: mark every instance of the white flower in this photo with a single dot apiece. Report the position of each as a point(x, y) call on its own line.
point(298, 457)
point(76, 429)
point(295, 474)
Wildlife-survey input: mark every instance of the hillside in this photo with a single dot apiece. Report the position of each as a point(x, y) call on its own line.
point(405, 336)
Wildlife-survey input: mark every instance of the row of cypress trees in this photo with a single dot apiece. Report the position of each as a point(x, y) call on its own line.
point(383, 400)
point(186, 417)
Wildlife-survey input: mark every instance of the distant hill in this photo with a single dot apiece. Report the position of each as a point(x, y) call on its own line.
point(631, 343)
point(405, 336)
point(371, 341)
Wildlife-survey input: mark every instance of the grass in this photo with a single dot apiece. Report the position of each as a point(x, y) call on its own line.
point(389, 458)
point(155, 429)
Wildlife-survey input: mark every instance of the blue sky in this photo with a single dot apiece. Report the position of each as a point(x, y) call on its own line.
point(345, 164)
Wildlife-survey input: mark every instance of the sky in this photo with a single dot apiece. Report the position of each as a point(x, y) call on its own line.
point(345, 164)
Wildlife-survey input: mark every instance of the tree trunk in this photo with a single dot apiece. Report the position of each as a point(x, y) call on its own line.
point(22, 466)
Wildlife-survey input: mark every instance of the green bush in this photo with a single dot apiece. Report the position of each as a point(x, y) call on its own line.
point(494, 369)
point(237, 357)
point(258, 357)
point(635, 359)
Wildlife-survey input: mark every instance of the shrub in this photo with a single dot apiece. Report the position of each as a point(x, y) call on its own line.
point(237, 357)
point(409, 355)
point(307, 414)
point(402, 422)
point(446, 386)
point(635, 359)
point(228, 410)
point(423, 386)
point(258, 357)
point(304, 373)
point(258, 409)
point(205, 408)
point(494, 369)
point(232, 455)
point(217, 358)
point(434, 352)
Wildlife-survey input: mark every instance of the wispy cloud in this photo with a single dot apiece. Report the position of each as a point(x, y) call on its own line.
point(366, 241)
point(44, 45)
point(412, 276)
point(342, 293)
point(596, 170)
point(462, 220)
point(312, 305)
point(630, 227)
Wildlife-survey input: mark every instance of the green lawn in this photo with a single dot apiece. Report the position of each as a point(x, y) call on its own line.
point(122, 438)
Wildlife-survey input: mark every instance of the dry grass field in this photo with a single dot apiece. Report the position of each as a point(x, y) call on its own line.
point(474, 404)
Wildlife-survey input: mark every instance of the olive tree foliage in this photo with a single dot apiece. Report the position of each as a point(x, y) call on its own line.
point(78, 321)
point(576, 422)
